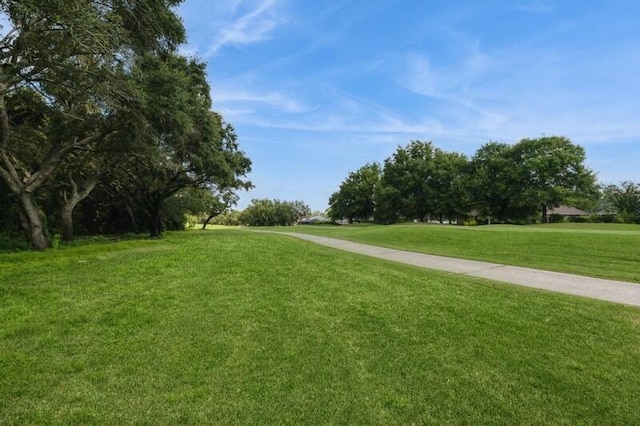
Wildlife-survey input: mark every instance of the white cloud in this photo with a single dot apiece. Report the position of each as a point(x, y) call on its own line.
point(251, 27)
point(250, 101)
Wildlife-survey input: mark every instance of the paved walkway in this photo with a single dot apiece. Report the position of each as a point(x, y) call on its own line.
point(595, 288)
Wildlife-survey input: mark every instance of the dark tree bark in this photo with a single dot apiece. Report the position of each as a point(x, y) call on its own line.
point(132, 217)
point(545, 215)
point(71, 201)
point(32, 222)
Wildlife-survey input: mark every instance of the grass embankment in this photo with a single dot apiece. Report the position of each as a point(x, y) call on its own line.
point(599, 250)
point(235, 327)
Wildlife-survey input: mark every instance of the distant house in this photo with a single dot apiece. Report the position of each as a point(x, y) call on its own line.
point(314, 220)
point(566, 211)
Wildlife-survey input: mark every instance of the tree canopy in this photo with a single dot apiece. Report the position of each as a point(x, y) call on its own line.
point(500, 182)
point(354, 200)
point(267, 212)
point(96, 102)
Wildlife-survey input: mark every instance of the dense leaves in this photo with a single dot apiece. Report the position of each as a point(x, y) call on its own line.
point(266, 212)
point(500, 183)
point(355, 198)
point(624, 199)
point(97, 107)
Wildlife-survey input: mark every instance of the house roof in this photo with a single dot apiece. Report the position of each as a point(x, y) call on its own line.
point(314, 219)
point(567, 211)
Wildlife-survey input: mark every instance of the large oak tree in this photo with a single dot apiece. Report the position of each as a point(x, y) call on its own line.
point(74, 55)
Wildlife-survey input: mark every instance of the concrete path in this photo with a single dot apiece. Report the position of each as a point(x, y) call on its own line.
point(595, 288)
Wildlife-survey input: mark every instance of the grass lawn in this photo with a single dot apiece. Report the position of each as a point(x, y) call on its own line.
point(234, 327)
point(599, 250)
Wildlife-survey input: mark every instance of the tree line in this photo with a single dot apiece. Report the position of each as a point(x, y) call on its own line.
point(499, 183)
point(104, 125)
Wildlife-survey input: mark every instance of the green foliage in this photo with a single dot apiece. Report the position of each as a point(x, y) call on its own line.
point(490, 180)
point(507, 183)
point(405, 189)
point(266, 212)
point(55, 241)
point(422, 182)
point(228, 218)
point(64, 83)
point(95, 96)
point(625, 201)
point(9, 243)
point(550, 171)
point(187, 145)
point(354, 200)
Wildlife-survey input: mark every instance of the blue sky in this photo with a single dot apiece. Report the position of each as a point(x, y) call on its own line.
point(316, 89)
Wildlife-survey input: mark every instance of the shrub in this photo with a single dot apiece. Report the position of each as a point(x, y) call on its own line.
point(10, 243)
point(55, 241)
point(579, 219)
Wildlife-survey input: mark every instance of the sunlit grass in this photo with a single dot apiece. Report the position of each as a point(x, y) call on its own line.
point(233, 327)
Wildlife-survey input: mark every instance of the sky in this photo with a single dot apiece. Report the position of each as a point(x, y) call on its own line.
point(317, 89)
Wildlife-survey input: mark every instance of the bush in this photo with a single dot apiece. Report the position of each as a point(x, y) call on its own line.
point(191, 221)
point(556, 218)
point(625, 217)
point(55, 241)
point(607, 218)
point(580, 219)
point(265, 212)
point(10, 243)
point(230, 218)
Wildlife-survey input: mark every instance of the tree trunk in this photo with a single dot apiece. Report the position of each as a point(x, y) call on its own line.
point(32, 223)
point(156, 220)
point(67, 222)
point(545, 216)
point(206, 222)
point(71, 202)
point(155, 229)
point(132, 217)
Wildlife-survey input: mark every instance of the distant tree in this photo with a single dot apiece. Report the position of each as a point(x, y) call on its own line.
point(491, 181)
point(406, 185)
point(354, 200)
point(266, 212)
point(299, 210)
point(505, 182)
point(534, 175)
point(550, 171)
point(218, 203)
point(449, 185)
point(228, 218)
point(625, 199)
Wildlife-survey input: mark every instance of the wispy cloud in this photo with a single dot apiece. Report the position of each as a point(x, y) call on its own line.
point(252, 26)
point(255, 101)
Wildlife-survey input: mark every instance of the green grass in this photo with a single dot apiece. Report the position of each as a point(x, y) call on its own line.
point(233, 327)
point(599, 250)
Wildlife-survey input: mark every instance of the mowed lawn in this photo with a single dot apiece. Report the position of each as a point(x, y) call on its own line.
point(235, 327)
point(598, 250)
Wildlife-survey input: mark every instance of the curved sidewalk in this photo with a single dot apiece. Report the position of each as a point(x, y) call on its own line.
point(595, 288)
